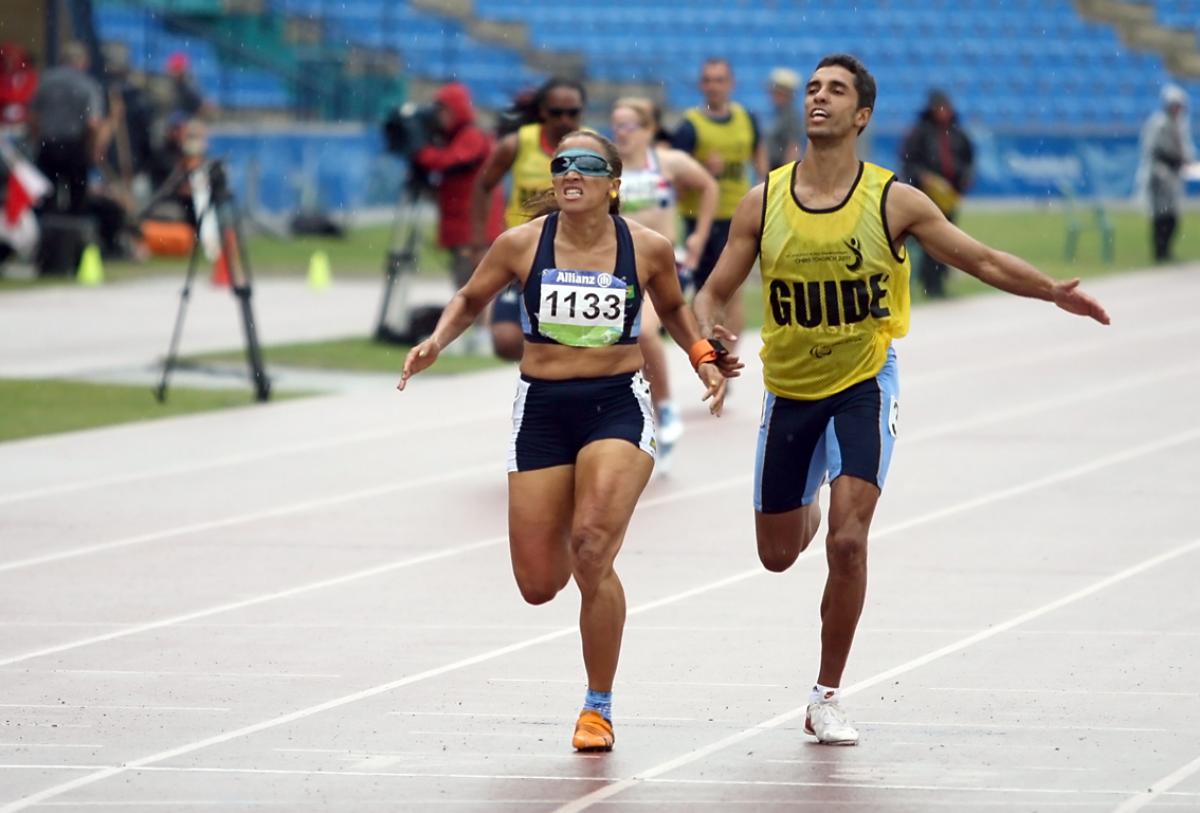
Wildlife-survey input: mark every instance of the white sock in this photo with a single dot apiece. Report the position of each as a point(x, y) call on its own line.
point(824, 694)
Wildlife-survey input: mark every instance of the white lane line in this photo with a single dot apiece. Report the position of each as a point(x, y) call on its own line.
point(365, 772)
point(100, 707)
point(253, 516)
point(607, 792)
point(1058, 477)
point(346, 754)
point(1119, 633)
point(21, 766)
point(250, 602)
point(1009, 360)
point(889, 786)
point(246, 457)
point(905, 765)
point(160, 673)
point(1054, 352)
point(299, 714)
point(669, 628)
point(516, 735)
point(47, 745)
point(369, 572)
point(547, 720)
point(408, 802)
point(1159, 788)
point(31, 724)
point(1014, 725)
point(700, 684)
point(943, 429)
point(1046, 690)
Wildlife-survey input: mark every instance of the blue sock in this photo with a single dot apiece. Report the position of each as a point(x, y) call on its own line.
point(599, 701)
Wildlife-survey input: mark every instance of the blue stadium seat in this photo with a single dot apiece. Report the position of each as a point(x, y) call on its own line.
point(1021, 60)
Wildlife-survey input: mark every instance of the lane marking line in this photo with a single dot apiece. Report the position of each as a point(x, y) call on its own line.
point(1160, 788)
point(609, 791)
point(942, 430)
point(1142, 449)
point(241, 459)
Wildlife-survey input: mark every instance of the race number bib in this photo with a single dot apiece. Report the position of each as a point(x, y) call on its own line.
point(581, 308)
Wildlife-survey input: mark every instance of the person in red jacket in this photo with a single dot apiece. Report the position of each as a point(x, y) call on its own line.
point(18, 83)
point(455, 159)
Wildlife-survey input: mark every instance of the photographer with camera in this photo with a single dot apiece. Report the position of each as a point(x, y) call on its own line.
point(454, 156)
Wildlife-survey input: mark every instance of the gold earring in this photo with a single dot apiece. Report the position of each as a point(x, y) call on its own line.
point(613, 194)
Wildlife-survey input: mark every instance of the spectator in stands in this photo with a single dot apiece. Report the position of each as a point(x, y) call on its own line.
point(455, 160)
point(1166, 149)
point(18, 83)
point(937, 157)
point(785, 134)
point(188, 97)
point(132, 113)
point(66, 127)
point(723, 137)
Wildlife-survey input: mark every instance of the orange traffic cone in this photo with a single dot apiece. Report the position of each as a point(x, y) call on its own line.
point(220, 274)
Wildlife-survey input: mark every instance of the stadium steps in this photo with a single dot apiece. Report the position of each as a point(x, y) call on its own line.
point(506, 35)
point(311, 73)
point(1136, 24)
point(554, 62)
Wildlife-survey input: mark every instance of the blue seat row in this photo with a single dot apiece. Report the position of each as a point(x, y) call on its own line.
point(1034, 62)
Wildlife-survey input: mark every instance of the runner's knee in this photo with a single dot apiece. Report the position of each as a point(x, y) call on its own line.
point(846, 551)
point(777, 557)
point(539, 590)
point(591, 556)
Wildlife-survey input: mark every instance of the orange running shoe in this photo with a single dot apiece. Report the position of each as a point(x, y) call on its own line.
point(593, 732)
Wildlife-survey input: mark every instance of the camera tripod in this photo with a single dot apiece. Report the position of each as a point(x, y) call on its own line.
point(222, 206)
point(398, 323)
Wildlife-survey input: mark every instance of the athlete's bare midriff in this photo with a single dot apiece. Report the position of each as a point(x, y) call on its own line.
point(558, 362)
point(661, 220)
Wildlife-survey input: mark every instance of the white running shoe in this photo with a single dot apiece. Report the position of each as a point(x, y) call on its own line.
point(827, 722)
point(670, 425)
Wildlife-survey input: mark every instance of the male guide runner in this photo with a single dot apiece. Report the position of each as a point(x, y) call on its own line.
point(830, 232)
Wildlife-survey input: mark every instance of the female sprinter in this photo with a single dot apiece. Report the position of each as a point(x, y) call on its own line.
point(583, 431)
point(648, 183)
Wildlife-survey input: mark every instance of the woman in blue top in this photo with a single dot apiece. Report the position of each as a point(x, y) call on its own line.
point(583, 429)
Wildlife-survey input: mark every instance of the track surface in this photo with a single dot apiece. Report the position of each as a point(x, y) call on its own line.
point(309, 605)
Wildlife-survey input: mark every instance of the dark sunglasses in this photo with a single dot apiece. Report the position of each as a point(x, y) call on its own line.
point(582, 161)
point(563, 112)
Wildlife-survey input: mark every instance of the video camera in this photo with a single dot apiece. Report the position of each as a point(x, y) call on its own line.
point(409, 127)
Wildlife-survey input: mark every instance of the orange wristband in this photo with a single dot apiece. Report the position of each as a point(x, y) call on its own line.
point(702, 352)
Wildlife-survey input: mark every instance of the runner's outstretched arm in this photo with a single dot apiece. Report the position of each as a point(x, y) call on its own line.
point(910, 211)
point(491, 275)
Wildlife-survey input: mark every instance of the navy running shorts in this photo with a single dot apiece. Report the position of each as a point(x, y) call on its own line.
point(801, 444)
point(554, 420)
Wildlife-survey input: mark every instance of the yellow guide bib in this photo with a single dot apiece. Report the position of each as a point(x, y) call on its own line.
point(733, 140)
point(835, 293)
point(530, 174)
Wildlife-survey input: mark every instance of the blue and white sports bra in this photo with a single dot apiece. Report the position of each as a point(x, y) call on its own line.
point(582, 308)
